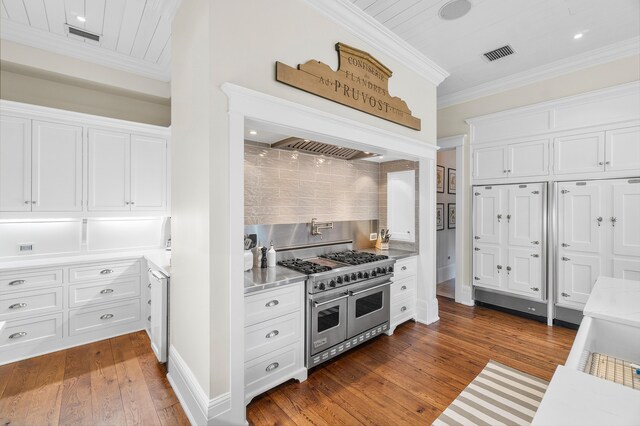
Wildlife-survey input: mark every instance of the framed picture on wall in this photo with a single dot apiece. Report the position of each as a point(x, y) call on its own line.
point(451, 179)
point(451, 216)
point(439, 216)
point(440, 179)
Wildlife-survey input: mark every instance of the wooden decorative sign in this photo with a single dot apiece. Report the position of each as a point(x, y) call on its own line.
point(361, 82)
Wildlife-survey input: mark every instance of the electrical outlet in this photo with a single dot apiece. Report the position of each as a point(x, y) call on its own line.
point(373, 236)
point(26, 247)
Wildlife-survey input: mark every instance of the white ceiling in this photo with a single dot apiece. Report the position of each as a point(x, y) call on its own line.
point(540, 31)
point(135, 34)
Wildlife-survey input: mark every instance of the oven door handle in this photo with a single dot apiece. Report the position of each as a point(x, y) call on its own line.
point(355, 293)
point(316, 304)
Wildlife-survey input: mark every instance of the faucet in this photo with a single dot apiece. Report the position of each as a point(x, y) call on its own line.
point(317, 226)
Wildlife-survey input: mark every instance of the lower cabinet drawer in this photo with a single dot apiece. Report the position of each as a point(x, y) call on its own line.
point(103, 271)
point(272, 303)
point(269, 370)
point(402, 310)
point(268, 336)
point(32, 330)
point(21, 281)
point(86, 320)
point(404, 287)
point(100, 292)
point(405, 268)
point(30, 303)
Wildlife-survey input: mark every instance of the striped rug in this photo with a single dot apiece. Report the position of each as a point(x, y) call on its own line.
point(498, 395)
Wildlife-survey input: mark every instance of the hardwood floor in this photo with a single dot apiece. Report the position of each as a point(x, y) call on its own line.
point(111, 382)
point(412, 376)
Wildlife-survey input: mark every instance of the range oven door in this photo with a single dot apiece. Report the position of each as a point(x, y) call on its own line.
point(328, 322)
point(368, 307)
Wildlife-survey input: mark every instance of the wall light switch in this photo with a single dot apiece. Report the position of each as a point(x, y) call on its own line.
point(373, 236)
point(26, 247)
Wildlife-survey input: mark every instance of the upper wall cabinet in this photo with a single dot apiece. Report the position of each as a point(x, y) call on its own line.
point(512, 160)
point(622, 149)
point(579, 153)
point(51, 161)
point(401, 205)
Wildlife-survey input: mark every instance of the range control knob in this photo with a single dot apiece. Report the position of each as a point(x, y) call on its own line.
point(332, 283)
point(353, 277)
point(366, 275)
point(339, 280)
point(321, 286)
point(374, 273)
point(379, 270)
point(390, 270)
point(347, 279)
point(383, 270)
point(360, 275)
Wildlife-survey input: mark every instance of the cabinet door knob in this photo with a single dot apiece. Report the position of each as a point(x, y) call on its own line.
point(504, 171)
point(132, 203)
point(33, 202)
point(106, 316)
point(18, 335)
point(607, 162)
point(106, 291)
point(600, 163)
point(127, 203)
point(272, 334)
point(613, 221)
point(18, 305)
point(271, 303)
point(27, 202)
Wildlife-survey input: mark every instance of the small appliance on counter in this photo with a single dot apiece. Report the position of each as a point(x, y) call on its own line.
point(249, 244)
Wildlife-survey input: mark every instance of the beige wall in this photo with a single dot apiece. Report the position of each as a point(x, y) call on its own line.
point(451, 119)
point(241, 48)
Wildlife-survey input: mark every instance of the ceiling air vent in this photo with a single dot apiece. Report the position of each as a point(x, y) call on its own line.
point(82, 33)
point(498, 53)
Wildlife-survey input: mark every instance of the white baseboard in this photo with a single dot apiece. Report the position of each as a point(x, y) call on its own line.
point(427, 311)
point(196, 404)
point(445, 273)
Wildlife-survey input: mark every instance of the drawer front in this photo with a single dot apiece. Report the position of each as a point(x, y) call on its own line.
point(20, 281)
point(271, 304)
point(405, 268)
point(33, 330)
point(30, 303)
point(267, 371)
point(86, 320)
point(402, 310)
point(90, 294)
point(103, 271)
point(404, 288)
point(260, 339)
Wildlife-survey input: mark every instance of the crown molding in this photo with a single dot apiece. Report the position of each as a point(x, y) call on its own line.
point(372, 32)
point(63, 45)
point(584, 60)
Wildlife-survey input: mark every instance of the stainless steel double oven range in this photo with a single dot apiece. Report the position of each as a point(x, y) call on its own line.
point(347, 300)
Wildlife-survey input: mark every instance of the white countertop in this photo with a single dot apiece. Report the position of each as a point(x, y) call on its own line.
point(576, 398)
point(159, 258)
point(615, 300)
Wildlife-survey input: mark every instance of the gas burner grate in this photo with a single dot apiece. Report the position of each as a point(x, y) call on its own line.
point(304, 266)
point(353, 257)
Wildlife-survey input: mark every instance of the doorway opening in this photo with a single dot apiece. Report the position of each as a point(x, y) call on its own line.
point(446, 215)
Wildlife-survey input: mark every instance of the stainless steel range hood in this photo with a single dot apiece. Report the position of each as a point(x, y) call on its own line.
point(319, 148)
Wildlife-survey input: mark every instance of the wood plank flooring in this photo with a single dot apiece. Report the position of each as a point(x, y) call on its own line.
point(412, 376)
point(111, 382)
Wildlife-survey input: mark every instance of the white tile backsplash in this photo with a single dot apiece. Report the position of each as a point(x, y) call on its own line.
point(129, 233)
point(47, 237)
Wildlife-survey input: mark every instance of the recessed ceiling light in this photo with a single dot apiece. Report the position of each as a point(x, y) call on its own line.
point(454, 9)
point(81, 18)
point(253, 132)
point(381, 157)
point(367, 152)
point(307, 140)
point(577, 36)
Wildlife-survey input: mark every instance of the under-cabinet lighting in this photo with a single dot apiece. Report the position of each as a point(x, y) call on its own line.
point(253, 132)
point(578, 36)
point(81, 18)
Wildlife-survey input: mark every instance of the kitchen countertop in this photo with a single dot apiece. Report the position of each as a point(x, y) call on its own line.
point(577, 398)
point(615, 300)
point(159, 258)
point(259, 279)
point(396, 254)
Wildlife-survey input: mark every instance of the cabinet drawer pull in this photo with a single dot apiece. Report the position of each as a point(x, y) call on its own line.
point(404, 308)
point(404, 287)
point(535, 289)
point(404, 268)
point(274, 333)
point(106, 271)
point(149, 285)
point(106, 316)
point(272, 366)
point(271, 303)
point(17, 282)
point(149, 318)
point(18, 335)
point(18, 305)
point(106, 291)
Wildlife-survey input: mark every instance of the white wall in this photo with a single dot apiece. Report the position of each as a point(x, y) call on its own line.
point(451, 120)
point(239, 42)
point(446, 239)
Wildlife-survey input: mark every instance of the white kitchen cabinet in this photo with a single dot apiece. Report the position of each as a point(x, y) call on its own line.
point(508, 238)
point(490, 163)
point(622, 150)
point(528, 158)
point(15, 164)
point(109, 169)
point(126, 172)
point(598, 233)
point(404, 292)
point(579, 153)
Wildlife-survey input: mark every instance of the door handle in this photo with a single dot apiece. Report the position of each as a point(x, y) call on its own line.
point(355, 293)
point(535, 243)
point(613, 221)
point(565, 259)
point(316, 304)
point(499, 268)
point(565, 294)
point(535, 289)
point(599, 219)
point(508, 269)
point(508, 218)
point(499, 217)
point(535, 255)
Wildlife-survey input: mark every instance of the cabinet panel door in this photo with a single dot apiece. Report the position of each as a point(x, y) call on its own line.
point(579, 153)
point(626, 219)
point(622, 149)
point(15, 164)
point(56, 167)
point(528, 158)
point(148, 173)
point(626, 269)
point(489, 163)
point(109, 171)
point(487, 207)
point(524, 215)
point(577, 275)
point(524, 272)
point(579, 211)
point(487, 266)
